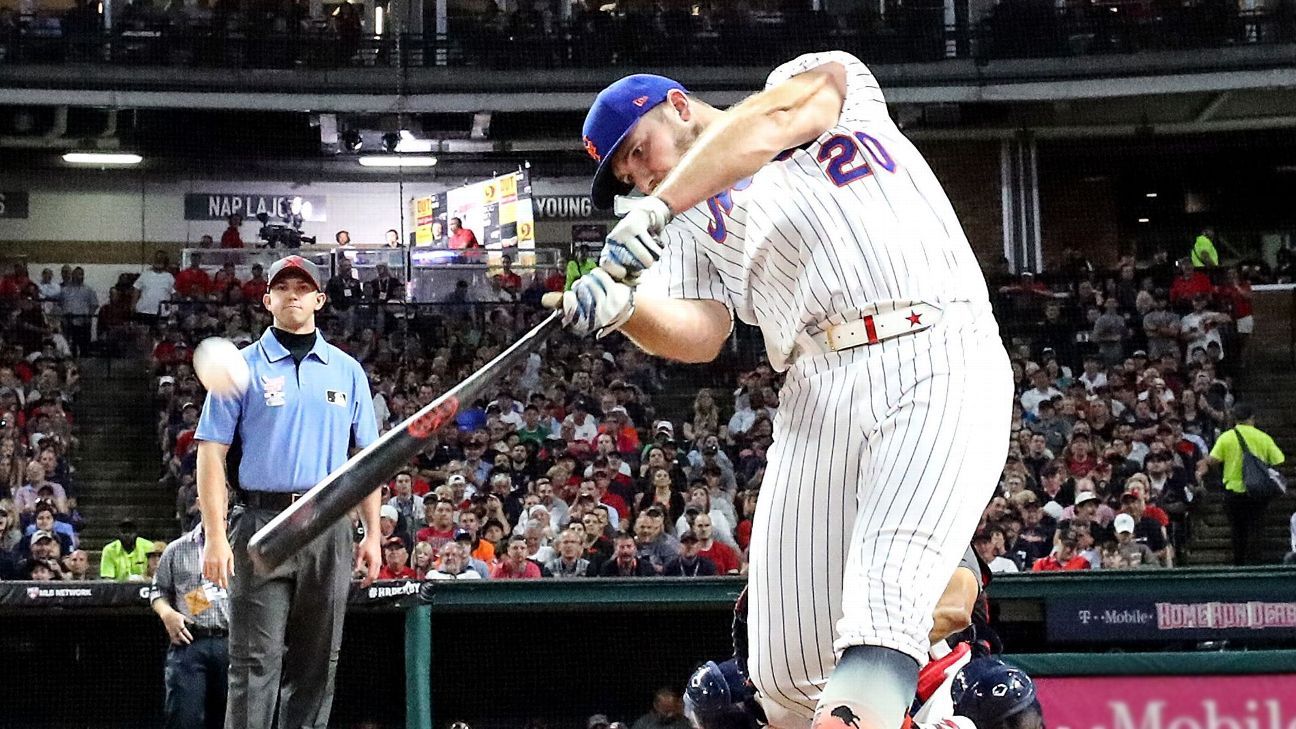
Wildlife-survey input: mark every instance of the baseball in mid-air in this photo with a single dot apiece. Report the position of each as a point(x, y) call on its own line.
point(220, 367)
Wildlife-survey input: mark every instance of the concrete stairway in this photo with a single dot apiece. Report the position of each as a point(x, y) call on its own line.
point(1271, 389)
point(119, 462)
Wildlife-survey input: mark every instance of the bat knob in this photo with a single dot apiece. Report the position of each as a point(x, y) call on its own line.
point(552, 300)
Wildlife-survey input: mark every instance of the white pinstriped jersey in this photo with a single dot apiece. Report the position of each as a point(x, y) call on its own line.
point(852, 224)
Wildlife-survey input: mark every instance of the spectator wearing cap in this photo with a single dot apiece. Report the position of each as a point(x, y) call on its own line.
point(1037, 533)
point(1079, 455)
point(389, 526)
point(1093, 376)
point(1245, 511)
point(440, 527)
point(396, 561)
point(533, 429)
point(990, 545)
point(515, 565)
point(655, 544)
point(42, 546)
point(453, 564)
point(1188, 284)
point(626, 561)
point(1088, 509)
point(510, 410)
point(1063, 558)
point(255, 287)
point(688, 563)
point(127, 556)
point(1055, 486)
point(1133, 553)
point(195, 615)
point(473, 553)
point(570, 562)
point(584, 426)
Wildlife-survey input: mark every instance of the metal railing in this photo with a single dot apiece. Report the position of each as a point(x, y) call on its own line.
point(1013, 29)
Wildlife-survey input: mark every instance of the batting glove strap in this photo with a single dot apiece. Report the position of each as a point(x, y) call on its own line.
point(597, 304)
point(632, 245)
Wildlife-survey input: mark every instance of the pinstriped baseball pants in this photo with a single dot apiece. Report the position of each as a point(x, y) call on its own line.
point(882, 462)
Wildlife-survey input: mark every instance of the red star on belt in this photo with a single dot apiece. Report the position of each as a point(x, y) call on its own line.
point(915, 319)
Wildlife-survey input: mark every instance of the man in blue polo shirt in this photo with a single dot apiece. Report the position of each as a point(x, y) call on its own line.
point(306, 407)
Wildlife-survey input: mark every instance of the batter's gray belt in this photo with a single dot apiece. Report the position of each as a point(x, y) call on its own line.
point(870, 329)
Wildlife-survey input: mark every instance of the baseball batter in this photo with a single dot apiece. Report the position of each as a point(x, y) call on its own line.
point(804, 210)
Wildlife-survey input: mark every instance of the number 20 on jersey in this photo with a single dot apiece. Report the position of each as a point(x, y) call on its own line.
point(853, 157)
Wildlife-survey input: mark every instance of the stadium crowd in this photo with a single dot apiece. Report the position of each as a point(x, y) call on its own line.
point(1123, 387)
point(591, 460)
point(39, 383)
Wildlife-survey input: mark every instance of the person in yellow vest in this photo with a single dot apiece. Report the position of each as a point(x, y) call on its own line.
point(1203, 251)
point(1245, 512)
point(579, 265)
point(126, 558)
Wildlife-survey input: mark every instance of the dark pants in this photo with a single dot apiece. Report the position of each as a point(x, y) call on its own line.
point(195, 684)
point(286, 628)
point(78, 334)
point(1246, 521)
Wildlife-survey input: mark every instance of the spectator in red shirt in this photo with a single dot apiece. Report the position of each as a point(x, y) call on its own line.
point(721, 555)
point(1189, 283)
point(1236, 295)
point(396, 561)
point(255, 287)
point(12, 285)
point(231, 238)
point(193, 281)
point(515, 565)
point(225, 279)
point(1063, 558)
point(461, 237)
point(440, 524)
point(508, 280)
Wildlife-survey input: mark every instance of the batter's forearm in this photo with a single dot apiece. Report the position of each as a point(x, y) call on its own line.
point(751, 134)
point(685, 330)
point(213, 494)
point(370, 509)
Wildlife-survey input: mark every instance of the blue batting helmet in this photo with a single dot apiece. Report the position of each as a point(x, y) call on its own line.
point(990, 693)
point(717, 697)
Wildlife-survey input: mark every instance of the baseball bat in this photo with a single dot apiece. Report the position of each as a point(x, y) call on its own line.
point(344, 489)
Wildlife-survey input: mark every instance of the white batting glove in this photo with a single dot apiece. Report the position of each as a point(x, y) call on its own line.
point(595, 304)
point(632, 245)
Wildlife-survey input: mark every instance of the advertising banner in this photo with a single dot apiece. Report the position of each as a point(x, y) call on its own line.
point(1118, 618)
point(1169, 702)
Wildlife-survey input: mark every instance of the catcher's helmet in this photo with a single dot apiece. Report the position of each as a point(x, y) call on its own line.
point(995, 695)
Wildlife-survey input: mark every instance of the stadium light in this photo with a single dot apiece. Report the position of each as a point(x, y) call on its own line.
point(1144, 220)
point(116, 159)
point(397, 160)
